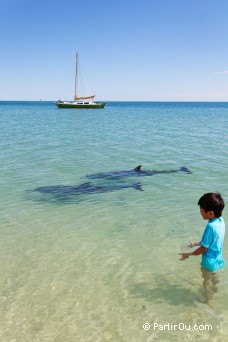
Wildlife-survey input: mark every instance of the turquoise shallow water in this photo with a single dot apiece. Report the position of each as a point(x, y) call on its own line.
point(96, 267)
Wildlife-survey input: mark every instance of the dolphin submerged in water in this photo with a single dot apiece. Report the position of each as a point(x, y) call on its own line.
point(64, 191)
point(134, 173)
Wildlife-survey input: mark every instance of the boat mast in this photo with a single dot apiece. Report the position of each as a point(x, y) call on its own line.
point(76, 78)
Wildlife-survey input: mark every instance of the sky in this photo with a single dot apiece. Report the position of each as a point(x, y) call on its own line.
point(144, 50)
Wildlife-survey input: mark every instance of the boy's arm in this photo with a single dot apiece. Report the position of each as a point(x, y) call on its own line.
point(193, 244)
point(198, 251)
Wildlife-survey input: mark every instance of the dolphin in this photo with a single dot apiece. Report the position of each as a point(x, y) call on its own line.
point(134, 173)
point(60, 191)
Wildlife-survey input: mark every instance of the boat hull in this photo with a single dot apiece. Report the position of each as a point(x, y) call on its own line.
point(74, 105)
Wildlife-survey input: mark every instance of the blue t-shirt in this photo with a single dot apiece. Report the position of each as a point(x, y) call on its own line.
point(212, 239)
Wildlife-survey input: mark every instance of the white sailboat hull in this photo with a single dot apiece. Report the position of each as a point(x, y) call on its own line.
point(79, 105)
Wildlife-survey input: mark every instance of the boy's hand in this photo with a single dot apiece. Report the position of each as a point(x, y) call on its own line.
point(190, 245)
point(184, 256)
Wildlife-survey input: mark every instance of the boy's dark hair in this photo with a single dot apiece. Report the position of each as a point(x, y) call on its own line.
point(212, 201)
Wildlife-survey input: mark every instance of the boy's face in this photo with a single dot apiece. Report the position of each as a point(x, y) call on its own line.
point(207, 215)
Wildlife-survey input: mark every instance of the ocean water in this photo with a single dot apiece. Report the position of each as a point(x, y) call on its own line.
point(79, 266)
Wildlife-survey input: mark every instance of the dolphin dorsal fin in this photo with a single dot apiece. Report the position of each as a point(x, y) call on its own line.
point(138, 168)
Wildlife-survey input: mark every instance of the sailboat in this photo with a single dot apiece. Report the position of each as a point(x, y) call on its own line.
point(79, 101)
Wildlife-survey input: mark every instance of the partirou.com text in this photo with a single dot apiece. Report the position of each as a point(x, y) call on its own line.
point(180, 326)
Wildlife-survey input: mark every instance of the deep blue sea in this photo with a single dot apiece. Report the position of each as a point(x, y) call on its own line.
point(96, 261)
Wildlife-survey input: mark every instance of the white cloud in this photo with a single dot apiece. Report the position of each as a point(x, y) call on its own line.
point(225, 72)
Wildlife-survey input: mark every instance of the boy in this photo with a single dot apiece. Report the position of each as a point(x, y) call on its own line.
point(211, 207)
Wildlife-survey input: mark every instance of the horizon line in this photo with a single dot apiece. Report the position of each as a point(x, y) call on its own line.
point(178, 101)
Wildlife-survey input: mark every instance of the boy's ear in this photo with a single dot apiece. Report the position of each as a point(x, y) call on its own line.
point(211, 213)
